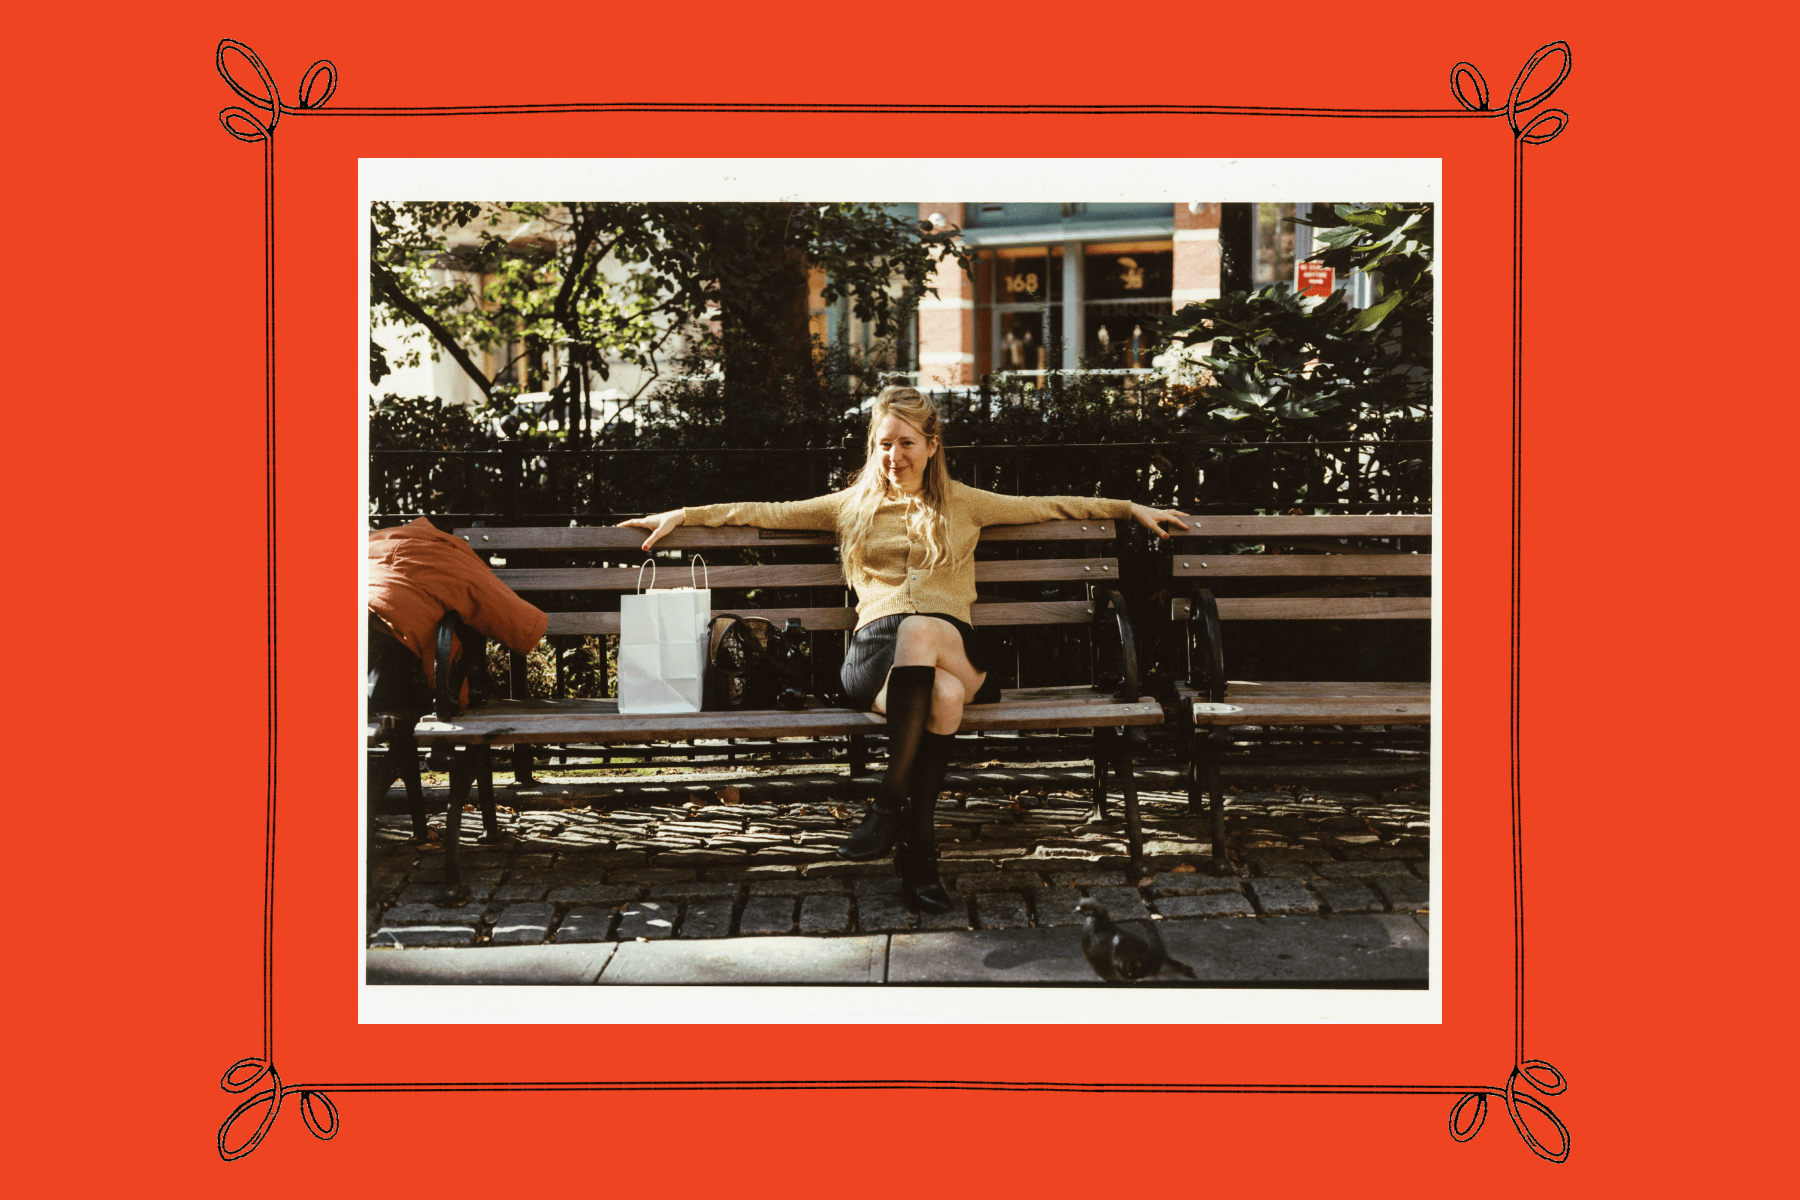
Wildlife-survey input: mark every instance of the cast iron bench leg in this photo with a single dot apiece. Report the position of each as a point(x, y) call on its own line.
point(1208, 747)
point(406, 752)
point(859, 755)
point(1194, 788)
point(484, 787)
point(1102, 752)
point(459, 791)
point(1128, 780)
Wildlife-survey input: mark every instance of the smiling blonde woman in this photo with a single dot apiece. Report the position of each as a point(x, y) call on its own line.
point(907, 535)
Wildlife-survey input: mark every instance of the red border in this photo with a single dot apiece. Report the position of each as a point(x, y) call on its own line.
point(1473, 1044)
point(161, 212)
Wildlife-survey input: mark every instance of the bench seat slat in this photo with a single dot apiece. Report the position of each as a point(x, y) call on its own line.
point(607, 623)
point(1386, 709)
point(1295, 689)
point(1190, 566)
point(584, 722)
point(1025, 612)
point(1350, 608)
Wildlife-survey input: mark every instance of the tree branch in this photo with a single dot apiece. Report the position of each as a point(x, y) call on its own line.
point(395, 294)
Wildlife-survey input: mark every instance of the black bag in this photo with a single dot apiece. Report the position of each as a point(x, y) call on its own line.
point(755, 665)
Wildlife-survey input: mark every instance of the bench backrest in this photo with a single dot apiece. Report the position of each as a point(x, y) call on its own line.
point(1284, 568)
point(1314, 570)
point(583, 599)
point(1041, 575)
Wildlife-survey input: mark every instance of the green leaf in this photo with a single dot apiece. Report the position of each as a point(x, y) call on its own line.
point(1372, 316)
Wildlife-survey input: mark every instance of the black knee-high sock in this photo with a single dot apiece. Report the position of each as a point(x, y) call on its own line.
point(908, 711)
point(921, 797)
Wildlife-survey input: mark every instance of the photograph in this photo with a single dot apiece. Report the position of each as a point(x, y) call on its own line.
point(804, 592)
point(741, 601)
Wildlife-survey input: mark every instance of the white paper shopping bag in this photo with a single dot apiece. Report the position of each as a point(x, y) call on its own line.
point(662, 647)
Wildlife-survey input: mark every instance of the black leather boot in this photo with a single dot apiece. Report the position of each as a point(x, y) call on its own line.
point(908, 709)
point(916, 856)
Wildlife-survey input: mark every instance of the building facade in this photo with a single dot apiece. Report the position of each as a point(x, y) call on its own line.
point(1066, 286)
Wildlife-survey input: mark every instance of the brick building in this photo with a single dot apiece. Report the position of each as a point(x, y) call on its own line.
point(1060, 285)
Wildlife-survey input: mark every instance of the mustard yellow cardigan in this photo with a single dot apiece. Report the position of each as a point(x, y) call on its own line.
point(893, 578)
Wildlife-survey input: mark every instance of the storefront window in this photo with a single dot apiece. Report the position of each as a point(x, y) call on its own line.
point(1124, 282)
point(1020, 301)
point(1019, 309)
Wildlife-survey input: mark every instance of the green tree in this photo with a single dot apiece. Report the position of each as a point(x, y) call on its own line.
point(1282, 367)
point(560, 288)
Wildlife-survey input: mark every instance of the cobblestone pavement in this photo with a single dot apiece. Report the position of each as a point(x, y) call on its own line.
point(749, 857)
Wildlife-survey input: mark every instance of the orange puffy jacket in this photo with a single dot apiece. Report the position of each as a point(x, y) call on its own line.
point(417, 572)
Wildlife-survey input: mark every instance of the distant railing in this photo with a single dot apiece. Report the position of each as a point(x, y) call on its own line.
point(523, 482)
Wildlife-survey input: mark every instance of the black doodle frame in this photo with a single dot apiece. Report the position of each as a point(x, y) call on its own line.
point(1467, 1115)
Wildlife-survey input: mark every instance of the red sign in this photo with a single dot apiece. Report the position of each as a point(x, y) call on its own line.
point(1314, 279)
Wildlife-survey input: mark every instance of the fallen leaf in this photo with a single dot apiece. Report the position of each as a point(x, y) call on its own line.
point(727, 794)
point(1183, 869)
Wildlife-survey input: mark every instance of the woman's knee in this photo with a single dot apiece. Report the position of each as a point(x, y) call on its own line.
point(919, 637)
point(947, 691)
point(947, 698)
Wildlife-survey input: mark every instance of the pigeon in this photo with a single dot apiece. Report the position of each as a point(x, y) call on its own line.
point(1118, 956)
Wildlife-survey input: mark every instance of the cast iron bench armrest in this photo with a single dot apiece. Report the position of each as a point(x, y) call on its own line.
point(1108, 601)
point(1205, 643)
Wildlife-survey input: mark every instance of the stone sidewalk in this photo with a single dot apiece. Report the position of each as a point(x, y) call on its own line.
point(732, 878)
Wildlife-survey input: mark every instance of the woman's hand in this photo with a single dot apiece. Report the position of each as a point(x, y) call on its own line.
point(658, 524)
point(1154, 519)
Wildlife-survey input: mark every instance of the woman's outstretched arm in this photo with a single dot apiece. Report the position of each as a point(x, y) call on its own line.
point(820, 512)
point(994, 508)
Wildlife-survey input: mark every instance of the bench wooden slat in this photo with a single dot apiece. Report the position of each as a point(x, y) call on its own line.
point(1047, 569)
point(585, 722)
point(1349, 608)
point(1250, 528)
point(818, 620)
point(1032, 612)
point(1049, 531)
point(611, 537)
point(1187, 565)
point(629, 540)
point(607, 623)
point(668, 575)
point(774, 575)
point(1388, 709)
point(1297, 689)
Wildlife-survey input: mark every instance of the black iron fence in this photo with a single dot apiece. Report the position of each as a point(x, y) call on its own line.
point(547, 482)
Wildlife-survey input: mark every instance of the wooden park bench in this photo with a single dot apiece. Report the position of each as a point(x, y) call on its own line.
point(1339, 572)
point(577, 574)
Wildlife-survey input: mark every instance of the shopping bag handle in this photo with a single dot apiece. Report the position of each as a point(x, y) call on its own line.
point(691, 577)
point(651, 563)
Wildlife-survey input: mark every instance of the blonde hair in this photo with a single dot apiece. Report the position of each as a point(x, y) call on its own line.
point(871, 486)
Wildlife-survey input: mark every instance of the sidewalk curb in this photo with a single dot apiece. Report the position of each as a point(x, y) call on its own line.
point(1384, 950)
